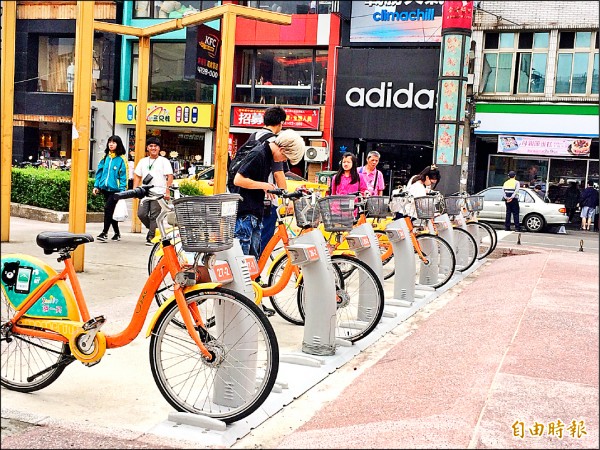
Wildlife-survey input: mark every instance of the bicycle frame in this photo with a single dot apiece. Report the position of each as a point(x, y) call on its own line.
point(67, 330)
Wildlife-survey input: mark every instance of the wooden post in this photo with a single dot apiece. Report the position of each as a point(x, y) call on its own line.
point(82, 103)
point(9, 16)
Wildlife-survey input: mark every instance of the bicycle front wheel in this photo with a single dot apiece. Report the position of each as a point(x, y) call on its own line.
point(389, 268)
point(285, 301)
point(245, 361)
point(466, 249)
point(485, 237)
point(359, 298)
point(438, 263)
point(23, 357)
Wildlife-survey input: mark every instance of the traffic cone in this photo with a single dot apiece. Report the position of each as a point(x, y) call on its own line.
point(562, 230)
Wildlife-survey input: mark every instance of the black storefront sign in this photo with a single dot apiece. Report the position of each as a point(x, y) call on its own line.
point(386, 94)
point(208, 54)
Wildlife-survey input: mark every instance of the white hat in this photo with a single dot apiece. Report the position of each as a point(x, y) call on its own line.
point(292, 145)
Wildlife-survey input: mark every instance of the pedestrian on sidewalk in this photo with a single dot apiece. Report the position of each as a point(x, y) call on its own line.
point(111, 177)
point(572, 195)
point(588, 203)
point(152, 170)
point(511, 198)
point(372, 176)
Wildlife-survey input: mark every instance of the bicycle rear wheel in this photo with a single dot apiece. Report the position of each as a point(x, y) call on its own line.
point(439, 264)
point(359, 296)
point(22, 357)
point(466, 249)
point(485, 237)
point(246, 357)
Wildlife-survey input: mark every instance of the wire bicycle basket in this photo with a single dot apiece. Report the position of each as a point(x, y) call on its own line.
point(337, 212)
point(377, 206)
point(425, 207)
point(306, 213)
point(474, 202)
point(454, 204)
point(206, 223)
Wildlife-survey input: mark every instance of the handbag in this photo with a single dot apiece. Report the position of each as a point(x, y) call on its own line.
point(121, 214)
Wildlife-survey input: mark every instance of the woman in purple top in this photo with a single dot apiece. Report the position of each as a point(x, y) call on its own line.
point(348, 180)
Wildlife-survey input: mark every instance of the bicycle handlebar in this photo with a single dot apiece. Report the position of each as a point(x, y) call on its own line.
point(289, 195)
point(138, 192)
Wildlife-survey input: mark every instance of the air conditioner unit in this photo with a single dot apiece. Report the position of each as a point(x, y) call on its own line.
point(316, 154)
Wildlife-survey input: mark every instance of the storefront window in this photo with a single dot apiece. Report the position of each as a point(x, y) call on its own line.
point(530, 172)
point(562, 172)
point(283, 76)
point(56, 66)
point(168, 9)
point(293, 7)
point(167, 82)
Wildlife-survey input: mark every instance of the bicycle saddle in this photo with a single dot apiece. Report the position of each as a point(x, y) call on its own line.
point(56, 241)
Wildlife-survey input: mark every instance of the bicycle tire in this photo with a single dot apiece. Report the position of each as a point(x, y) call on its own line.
point(466, 249)
point(492, 231)
point(285, 301)
point(485, 237)
point(440, 256)
point(23, 356)
point(245, 366)
point(389, 268)
point(356, 316)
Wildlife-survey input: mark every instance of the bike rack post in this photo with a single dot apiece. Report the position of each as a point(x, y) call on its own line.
point(363, 241)
point(309, 251)
point(405, 271)
point(233, 380)
point(446, 232)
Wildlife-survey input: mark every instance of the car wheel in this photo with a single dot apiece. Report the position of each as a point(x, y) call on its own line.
point(534, 223)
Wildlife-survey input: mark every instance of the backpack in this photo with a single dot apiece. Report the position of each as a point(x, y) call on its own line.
point(251, 144)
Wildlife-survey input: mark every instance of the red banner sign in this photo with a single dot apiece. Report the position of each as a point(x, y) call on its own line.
point(297, 118)
point(457, 15)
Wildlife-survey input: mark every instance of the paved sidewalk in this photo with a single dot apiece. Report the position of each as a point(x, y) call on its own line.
point(515, 343)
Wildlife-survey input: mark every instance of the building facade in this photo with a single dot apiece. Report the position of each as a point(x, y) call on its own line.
point(44, 79)
point(535, 94)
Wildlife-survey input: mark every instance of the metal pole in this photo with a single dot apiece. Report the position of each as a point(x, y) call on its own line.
point(9, 16)
point(80, 149)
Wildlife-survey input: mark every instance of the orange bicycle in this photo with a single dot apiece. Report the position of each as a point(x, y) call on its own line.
point(212, 351)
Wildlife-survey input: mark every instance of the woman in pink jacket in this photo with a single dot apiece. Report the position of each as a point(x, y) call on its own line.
point(347, 180)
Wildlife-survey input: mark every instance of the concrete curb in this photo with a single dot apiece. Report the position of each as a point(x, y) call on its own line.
point(49, 215)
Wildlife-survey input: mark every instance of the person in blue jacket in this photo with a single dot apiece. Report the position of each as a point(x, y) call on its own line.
point(588, 202)
point(111, 177)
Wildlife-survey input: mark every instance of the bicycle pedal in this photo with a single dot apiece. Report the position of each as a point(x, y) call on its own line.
point(95, 323)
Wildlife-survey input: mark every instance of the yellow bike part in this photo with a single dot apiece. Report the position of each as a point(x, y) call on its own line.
point(258, 292)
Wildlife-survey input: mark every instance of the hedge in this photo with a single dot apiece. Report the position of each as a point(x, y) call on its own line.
point(49, 188)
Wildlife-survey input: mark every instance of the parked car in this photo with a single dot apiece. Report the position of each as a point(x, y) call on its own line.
point(204, 180)
point(535, 211)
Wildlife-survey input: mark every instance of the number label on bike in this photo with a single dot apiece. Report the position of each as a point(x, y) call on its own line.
point(313, 254)
point(252, 265)
point(221, 272)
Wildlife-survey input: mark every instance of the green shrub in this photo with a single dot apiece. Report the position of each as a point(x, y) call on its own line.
point(48, 188)
point(188, 188)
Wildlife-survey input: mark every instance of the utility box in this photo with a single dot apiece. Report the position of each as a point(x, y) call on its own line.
point(325, 177)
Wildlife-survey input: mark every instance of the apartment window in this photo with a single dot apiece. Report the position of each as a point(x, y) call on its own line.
point(577, 63)
point(168, 9)
point(56, 65)
point(282, 76)
point(293, 7)
point(515, 63)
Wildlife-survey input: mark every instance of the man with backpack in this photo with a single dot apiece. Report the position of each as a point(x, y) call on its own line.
point(252, 179)
point(274, 118)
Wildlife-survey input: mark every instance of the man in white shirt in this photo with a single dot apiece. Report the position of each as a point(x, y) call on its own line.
point(152, 170)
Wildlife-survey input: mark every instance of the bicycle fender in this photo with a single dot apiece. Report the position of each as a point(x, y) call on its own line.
point(186, 291)
point(278, 258)
point(22, 275)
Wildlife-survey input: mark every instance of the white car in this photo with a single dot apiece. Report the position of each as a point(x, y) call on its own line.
point(535, 210)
